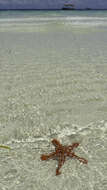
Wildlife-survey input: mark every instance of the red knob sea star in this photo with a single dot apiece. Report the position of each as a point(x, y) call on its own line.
point(60, 154)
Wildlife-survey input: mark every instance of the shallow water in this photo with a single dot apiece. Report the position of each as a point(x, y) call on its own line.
point(53, 84)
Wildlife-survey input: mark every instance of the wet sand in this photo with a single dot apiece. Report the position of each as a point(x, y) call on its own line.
point(53, 84)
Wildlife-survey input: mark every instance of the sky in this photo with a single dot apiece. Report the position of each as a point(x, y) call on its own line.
point(94, 4)
point(78, 4)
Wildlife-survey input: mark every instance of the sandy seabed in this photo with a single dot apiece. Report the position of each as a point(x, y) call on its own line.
point(53, 84)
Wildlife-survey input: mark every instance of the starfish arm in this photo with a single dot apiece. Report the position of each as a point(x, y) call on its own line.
point(74, 145)
point(83, 160)
point(56, 143)
point(61, 162)
point(49, 156)
point(71, 147)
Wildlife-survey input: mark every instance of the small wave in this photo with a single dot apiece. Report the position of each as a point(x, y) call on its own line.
point(86, 24)
point(65, 130)
point(37, 19)
point(33, 22)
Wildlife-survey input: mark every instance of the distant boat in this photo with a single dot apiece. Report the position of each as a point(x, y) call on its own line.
point(68, 6)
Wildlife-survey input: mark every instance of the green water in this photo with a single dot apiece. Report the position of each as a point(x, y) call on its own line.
point(53, 84)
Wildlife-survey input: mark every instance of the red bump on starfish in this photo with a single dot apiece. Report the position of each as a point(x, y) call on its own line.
point(60, 154)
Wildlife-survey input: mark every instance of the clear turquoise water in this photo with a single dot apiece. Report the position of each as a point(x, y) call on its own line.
point(53, 84)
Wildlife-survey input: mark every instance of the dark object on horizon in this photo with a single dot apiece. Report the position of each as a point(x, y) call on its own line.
point(68, 7)
point(88, 8)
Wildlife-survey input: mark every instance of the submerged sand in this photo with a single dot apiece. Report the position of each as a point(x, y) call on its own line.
point(53, 84)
